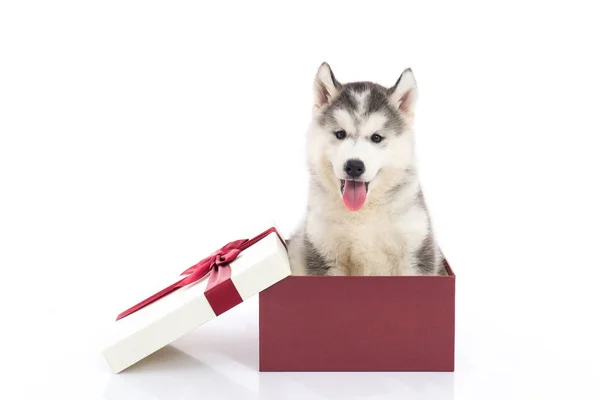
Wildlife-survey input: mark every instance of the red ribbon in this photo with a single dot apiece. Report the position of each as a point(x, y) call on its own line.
point(220, 291)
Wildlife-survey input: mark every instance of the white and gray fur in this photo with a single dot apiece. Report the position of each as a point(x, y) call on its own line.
point(392, 233)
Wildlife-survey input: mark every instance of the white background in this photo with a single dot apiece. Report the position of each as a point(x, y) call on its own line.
point(138, 135)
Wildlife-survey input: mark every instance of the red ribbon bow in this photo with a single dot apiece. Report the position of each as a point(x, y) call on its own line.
point(220, 291)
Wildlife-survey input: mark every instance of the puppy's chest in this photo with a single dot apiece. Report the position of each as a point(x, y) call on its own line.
point(366, 249)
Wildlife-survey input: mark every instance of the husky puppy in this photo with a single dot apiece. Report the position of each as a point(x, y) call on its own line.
point(366, 214)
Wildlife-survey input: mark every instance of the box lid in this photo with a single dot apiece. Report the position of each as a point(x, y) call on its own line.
point(139, 334)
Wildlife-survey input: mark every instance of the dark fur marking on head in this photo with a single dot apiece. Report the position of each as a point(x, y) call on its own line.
point(360, 87)
point(395, 124)
point(316, 264)
point(344, 100)
point(376, 101)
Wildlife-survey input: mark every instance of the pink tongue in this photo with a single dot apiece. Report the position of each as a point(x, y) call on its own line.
point(355, 194)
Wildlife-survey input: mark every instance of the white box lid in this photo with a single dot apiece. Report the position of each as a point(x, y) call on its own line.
point(138, 335)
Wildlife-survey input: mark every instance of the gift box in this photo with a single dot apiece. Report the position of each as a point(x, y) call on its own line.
point(356, 323)
point(222, 280)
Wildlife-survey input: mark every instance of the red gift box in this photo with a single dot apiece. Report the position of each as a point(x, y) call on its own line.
point(355, 323)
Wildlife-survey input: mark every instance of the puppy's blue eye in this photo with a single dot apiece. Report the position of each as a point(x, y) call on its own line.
point(376, 138)
point(340, 134)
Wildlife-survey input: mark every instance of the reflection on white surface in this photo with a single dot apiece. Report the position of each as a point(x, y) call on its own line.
point(357, 385)
point(223, 363)
point(173, 374)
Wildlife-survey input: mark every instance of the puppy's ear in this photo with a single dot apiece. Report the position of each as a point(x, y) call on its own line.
point(404, 94)
point(325, 87)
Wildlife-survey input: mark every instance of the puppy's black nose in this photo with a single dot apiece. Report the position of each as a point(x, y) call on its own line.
point(354, 168)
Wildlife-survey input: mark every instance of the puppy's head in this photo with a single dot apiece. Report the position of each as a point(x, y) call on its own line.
point(360, 141)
